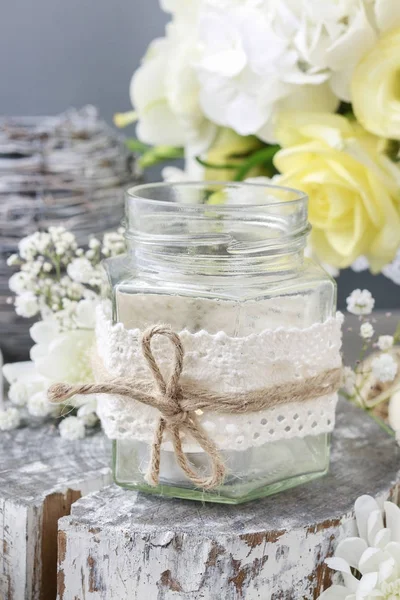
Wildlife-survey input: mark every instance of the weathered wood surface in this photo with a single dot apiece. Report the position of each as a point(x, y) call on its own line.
point(121, 545)
point(41, 475)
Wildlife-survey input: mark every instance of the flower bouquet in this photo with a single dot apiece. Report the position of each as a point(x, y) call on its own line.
point(302, 91)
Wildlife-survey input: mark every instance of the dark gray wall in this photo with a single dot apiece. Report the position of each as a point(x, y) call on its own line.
point(60, 53)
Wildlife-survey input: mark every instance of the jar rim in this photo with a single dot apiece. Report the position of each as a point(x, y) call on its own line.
point(136, 192)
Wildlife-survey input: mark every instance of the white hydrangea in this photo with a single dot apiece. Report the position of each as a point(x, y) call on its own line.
point(366, 331)
point(360, 302)
point(80, 270)
point(72, 428)
point(385, 342)
point(39, 406)
point(384, 368)
point(9, 419)
point(236, 64)
point(349, 381)
point(27, 305)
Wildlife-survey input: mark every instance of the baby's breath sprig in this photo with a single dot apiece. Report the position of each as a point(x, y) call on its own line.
point(55, 274)
point(375, 379)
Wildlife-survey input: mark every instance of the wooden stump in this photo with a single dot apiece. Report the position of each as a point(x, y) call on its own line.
point(121, 545)
point(41, 475)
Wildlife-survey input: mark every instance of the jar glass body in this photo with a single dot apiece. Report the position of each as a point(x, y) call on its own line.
point(228, 267)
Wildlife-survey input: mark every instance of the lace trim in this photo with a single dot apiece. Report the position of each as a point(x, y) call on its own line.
point(227, 364)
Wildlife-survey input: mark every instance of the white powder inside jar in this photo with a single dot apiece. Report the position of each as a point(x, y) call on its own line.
point(241, 318)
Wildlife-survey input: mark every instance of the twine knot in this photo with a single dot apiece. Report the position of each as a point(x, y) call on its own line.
point(178, 402)
point(167, 398)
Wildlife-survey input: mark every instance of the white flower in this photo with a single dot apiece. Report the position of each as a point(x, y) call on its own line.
point(26, 305)
point(375, 554)
point(237, 63)
point(94, 243)
point(360, 302)
point(85, 313)
point(12, 260)
point(20, 282)
point(384, 368)
point(114, 243)
point(349, 380)
point(80, 270)
point(164, 90)
point(21, 390)
point(366, 331)
point(39, 406)
point(9, 419)
point(72, 428)
point(64, 356)
point(360, 264)
point(392, 270)
point(385, 342)
point(87, 415)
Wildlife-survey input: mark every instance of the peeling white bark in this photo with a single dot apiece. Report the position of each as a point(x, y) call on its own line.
point(40, 476)
point(120, 545)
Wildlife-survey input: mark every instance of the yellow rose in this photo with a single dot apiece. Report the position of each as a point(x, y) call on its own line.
point(375, 87)
point(352, 186)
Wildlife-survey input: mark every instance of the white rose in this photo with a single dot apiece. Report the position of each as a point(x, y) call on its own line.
point(72, 428)
point(9, 419)
point(165, 75)
point(26, 305)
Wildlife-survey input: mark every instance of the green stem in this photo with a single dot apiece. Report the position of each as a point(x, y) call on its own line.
point(382, 424)
point(135, 145)
point(396, 336)
point(265, 155)
point(208, 165)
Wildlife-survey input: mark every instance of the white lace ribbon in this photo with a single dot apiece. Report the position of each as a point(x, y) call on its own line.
point(226, 364)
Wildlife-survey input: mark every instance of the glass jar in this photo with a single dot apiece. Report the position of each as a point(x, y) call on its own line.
point(212, 257)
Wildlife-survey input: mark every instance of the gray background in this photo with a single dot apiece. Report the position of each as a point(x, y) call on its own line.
point(60, 53)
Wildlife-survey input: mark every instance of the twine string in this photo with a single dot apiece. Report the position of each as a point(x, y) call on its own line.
point(177, 403)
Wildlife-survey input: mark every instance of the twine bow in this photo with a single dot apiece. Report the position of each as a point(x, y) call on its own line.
point(177, 403)
point(167, 399)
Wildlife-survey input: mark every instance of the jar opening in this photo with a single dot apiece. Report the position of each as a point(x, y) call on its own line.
point(196, 226)
point(240, 195)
